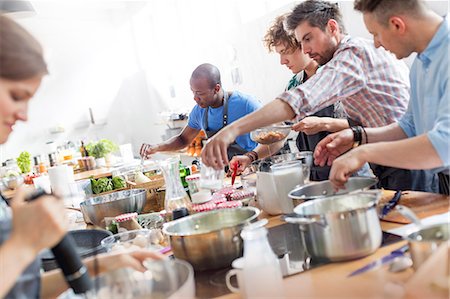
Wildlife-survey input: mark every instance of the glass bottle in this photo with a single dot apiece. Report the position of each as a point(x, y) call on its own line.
point(261, 272)
point(176, 196)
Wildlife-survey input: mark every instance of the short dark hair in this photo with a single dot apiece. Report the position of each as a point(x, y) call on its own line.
point(317, 13)
point(277, 34)
point(208, 71)
point(384, 9)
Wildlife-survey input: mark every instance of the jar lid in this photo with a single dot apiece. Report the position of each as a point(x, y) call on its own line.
point(193, 177)
point(126, 217)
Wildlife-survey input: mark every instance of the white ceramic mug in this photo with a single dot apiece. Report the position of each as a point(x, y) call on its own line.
point(238, 265)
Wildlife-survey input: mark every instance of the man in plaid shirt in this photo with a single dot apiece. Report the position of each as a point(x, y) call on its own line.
point(372, 85)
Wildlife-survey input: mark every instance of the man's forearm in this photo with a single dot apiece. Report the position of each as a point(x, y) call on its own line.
point(411, 153)
point(273, 112)
point(264, 151)
point(391, 132)
point(173, 144)
point(335, 124)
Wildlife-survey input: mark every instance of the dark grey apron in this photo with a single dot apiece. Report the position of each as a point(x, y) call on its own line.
point(234, 149)
point(28, 285)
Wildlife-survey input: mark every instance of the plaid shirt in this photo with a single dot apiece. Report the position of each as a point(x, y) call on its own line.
point(372, 85)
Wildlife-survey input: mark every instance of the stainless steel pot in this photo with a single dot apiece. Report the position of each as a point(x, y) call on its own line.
point(325, 188)
point(340, 228)
point(210, 240)
point(95, 209)
point(425, 242)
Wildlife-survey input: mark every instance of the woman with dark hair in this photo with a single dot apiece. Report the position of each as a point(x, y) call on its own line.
point(27, 228)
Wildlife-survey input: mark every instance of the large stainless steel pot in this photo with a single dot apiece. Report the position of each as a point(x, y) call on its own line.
point(341, 227)
point(210, 240)
point(325, 188)
point(425, 242)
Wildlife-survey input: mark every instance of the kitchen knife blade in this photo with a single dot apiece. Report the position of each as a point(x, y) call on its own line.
point(380, 262)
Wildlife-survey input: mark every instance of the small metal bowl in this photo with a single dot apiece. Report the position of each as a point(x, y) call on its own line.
point(270, 134)
point(95, 209)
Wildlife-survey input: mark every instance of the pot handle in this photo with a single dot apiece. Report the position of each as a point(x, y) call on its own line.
point(298, 220)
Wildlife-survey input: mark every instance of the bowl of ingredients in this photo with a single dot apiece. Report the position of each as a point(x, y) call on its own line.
point(95, 209)
point(134, 239)
point(270, 134)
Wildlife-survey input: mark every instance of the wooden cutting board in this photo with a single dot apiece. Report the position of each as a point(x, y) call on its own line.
point(421, 203)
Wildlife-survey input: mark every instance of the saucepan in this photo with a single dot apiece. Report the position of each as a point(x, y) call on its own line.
point(340, 228)
point(210, 240)
point(426, 240)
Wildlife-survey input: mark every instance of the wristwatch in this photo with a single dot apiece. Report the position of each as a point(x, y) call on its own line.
point(357, 135)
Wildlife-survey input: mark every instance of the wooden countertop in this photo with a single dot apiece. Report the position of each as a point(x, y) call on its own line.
point(331, 281)
point(96, 173)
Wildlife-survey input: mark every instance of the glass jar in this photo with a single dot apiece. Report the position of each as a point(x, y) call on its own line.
point(210, 178)
point(198, 195)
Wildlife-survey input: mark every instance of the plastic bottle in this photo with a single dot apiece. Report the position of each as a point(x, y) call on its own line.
point(261, 272)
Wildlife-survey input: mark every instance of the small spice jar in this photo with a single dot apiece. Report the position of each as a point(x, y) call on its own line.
point(127, 222)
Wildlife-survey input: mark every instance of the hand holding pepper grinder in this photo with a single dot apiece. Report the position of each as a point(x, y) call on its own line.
point(68, 259)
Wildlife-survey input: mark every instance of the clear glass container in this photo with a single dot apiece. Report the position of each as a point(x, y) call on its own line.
point(210, 178)
point(176, 196)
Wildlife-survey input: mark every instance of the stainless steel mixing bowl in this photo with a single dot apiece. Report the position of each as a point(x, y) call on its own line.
point(95, 209)
point(210, 240)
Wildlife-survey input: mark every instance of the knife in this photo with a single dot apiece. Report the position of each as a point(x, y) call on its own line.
point(380, 262)
point(391, 204)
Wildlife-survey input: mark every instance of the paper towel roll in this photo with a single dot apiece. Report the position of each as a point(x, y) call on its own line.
point(61, 179)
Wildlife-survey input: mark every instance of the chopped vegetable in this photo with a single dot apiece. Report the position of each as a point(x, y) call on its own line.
point(101, 185)
point(118, 182)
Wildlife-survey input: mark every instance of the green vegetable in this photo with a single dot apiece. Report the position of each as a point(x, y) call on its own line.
point(24, 162)
point(113, 227)
point(101, 185)
point(101, 148)
point(118, 182)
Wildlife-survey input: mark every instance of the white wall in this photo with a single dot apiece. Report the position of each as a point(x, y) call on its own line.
point(131, 60)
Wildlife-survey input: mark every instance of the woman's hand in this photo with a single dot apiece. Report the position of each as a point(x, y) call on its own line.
point(120, 259)
point(38, 224)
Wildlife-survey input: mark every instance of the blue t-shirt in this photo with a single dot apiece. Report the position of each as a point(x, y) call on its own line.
point(239, 105)
point(429, 108)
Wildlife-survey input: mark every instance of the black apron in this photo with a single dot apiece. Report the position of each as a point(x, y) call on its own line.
point(234, 149)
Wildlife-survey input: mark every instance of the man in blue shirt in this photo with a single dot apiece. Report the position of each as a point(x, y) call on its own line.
point(421, 139)
point(214, 110)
